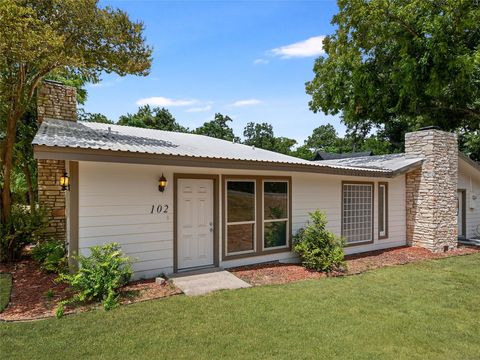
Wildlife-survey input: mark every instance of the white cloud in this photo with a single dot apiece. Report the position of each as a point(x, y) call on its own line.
point(311, 47)
point(200, 109)
point(163, 101)
point(247, 102)
point(260, 61)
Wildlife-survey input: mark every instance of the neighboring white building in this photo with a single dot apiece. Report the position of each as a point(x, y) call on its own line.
point(228, 204)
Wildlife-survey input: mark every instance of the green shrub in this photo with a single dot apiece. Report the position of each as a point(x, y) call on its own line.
point(22, 228)
point(99, 277)
point(318, 248)
point(50, 255)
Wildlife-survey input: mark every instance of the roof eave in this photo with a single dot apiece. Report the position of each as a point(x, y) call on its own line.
point(81, 154)
point(469, 161)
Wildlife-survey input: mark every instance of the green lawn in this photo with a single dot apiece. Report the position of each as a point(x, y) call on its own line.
point(5, 289)
point(428, 310)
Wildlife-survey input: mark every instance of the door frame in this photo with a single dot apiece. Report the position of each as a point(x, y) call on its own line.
point(216, 215)
point(464, 213)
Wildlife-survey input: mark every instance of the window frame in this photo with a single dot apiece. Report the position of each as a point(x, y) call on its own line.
point(287, 219)
point(372, 186)
point(383, 219)
point(254, 222)
point(259, 216)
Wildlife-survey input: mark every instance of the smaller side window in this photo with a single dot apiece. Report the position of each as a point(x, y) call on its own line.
point(382, 210)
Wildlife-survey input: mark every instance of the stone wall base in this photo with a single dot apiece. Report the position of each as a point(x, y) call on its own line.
point(52, 197)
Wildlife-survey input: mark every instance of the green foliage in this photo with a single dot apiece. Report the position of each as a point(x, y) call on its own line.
point(263, 137)
point(470, 143)
point(218, 128)
point(401, 65)
point(323, 138)
point(49, 294)
point(5, 290)
point(82, 115)
point(50, 255)
point(318, 248)
point(99, 277)
point(152, 118)
point(76, 40)
point(23, 228)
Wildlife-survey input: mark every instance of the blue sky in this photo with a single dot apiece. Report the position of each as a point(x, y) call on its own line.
point(247, 59)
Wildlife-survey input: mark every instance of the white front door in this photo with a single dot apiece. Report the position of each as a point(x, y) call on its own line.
point(460, 213)
point(194, 223)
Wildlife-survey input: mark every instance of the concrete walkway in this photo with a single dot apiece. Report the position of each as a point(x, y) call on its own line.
point(200, 284)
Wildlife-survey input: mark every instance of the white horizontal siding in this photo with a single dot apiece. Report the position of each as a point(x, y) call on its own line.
point(317, 191)
point(469, 180)
point(115, 202)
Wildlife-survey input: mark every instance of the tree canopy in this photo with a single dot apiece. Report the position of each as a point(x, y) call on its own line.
point(399, 65)
point(152, 118)
point(262, 136)
point(74, 39)
point(218, 128)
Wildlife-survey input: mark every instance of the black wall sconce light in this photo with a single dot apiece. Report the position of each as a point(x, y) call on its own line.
point(65, 182)
point(162, 183)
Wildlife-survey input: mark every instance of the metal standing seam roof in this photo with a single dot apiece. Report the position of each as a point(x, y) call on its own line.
point(96, 136)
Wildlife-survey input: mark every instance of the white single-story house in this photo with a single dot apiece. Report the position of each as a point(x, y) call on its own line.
point(177, 201)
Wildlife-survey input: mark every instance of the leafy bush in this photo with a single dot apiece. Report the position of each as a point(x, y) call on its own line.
point(99, 277)
point(51, 255)
point(22, 228)
point(318, 248)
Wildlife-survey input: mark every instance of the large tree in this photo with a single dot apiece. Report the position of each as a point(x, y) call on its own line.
point(218, 128)
point(152, 118)
point(39, 38)
point(262, 136)
point(401, 64)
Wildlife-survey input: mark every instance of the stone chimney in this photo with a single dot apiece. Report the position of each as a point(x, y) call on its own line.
point(54, 101)
point(432, 190)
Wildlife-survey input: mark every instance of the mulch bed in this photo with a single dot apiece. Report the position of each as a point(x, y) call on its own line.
point(277, 273)
point(36, 295)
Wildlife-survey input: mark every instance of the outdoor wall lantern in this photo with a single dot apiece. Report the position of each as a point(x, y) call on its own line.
point(65, 182)
point(162, 183)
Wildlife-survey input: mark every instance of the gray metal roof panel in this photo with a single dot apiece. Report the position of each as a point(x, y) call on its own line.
point(390, 162)
point(97, 136)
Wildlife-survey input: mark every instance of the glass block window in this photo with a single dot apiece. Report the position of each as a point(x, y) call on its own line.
point(357, 213)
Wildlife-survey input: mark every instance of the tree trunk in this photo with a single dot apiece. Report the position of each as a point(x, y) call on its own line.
point(12, 119)
point(31, 192)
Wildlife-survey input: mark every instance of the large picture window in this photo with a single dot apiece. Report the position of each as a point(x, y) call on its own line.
point(241, 216)
point(357, 212)
point(257, 215)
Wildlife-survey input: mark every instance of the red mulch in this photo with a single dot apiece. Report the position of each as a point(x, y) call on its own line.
point(31, 285)
point(277, 273)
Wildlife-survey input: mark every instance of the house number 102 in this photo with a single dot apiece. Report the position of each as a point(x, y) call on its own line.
point(159, 209)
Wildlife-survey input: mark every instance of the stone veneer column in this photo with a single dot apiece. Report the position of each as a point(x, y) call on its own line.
point(54, 101)
point(432, 190)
